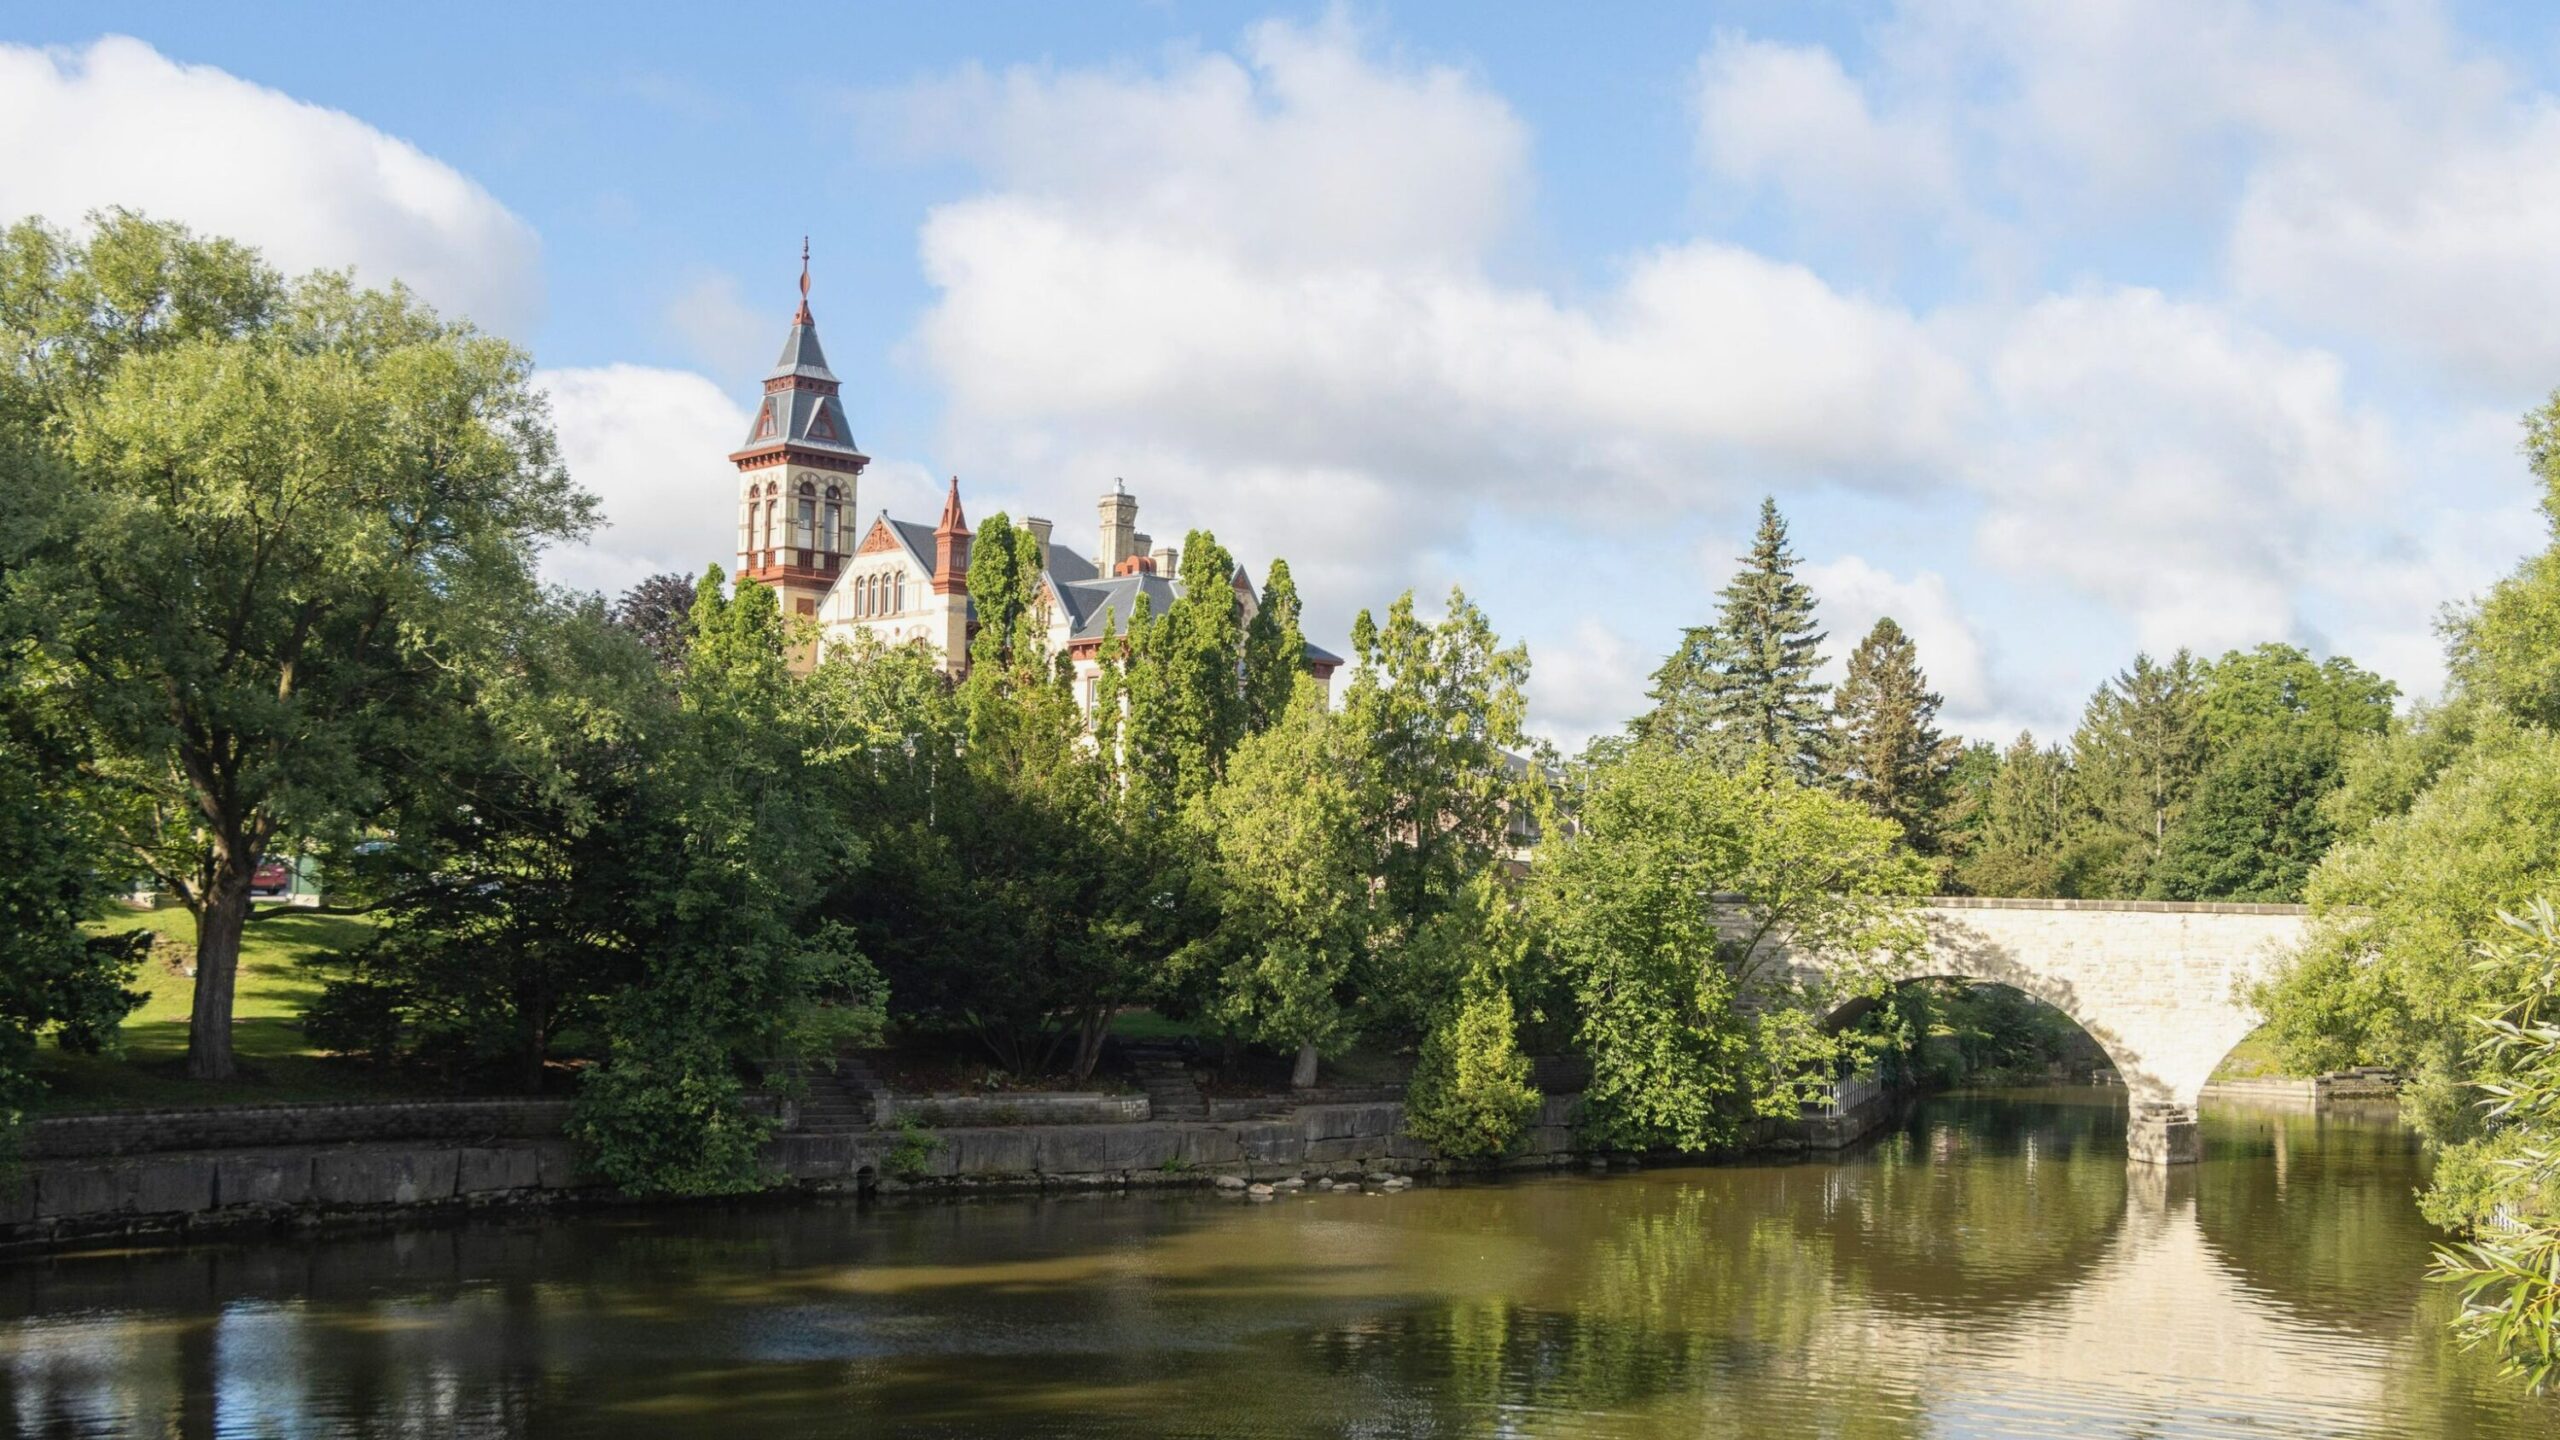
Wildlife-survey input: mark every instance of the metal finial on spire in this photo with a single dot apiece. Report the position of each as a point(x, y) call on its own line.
point(802, 317)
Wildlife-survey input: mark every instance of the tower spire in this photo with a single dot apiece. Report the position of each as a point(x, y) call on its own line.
point(802, 318)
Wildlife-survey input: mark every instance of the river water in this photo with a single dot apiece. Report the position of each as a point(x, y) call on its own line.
point(1990, 1268)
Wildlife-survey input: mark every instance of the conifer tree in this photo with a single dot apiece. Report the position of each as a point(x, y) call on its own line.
point(2026, 822)
point(1186, 701)
point(1275, 651)
point(2136, 755)
point(1746, 683)
point(1890, 756)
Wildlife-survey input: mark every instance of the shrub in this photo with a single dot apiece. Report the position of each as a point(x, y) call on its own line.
point(672, 1123)
point(1470, 1094)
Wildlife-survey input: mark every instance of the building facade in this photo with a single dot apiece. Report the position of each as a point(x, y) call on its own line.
point(904, 582)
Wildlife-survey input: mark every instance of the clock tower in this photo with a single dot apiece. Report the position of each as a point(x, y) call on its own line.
point(796, 474)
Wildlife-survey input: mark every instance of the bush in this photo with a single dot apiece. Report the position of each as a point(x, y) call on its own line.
point(356, 1017)
point(673, 1123)
point(1470, 1096)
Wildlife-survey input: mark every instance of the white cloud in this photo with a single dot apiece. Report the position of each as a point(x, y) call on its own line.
point(649, 443)
point(1789, 117)
point(1255, 286)
point(117, 123)
point(1588, 686)
point(721, 330)
point(2182, 467)
point(1855, 593)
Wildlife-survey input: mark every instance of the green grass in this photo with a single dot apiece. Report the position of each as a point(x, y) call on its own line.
point(284, 959)
point(2253, 1059)
point(1144, 1024)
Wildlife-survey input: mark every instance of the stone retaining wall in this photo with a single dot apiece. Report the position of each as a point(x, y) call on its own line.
point(181, 1193)
point(1027, 1108)
point(142, 1132)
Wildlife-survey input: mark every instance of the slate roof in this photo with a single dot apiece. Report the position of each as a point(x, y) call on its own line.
point(806, 412)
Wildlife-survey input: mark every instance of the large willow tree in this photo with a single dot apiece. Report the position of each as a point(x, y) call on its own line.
point(287, 512)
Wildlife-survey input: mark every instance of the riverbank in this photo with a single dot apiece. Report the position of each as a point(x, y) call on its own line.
point(178, 1175)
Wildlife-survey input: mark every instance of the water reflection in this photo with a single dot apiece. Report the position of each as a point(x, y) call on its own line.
point(1990, 1268)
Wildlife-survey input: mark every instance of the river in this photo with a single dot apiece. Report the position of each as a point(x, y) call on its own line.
point(1989, 1268)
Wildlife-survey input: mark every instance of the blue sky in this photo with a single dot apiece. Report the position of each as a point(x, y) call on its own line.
point(2056, 331)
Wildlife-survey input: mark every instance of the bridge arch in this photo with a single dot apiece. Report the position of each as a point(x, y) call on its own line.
point(2159, 985)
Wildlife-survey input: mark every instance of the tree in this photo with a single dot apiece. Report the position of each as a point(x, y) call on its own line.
point(2254, 827)
point(1470, 1095)
point(2276, 729)
point(1291, 891)
point(1438, 705)
point(1889, 755)
point(1275, 652)
point(514, 899)
point(1680, 900)
point(655, 611)
point(2135, 758)
point(2502, 651)
point(294, 508)
point(2388, 973)
point(2503, 1189)
point(1746, 682)
point(737, 965)
point(2027, 821)
point(1187, 708)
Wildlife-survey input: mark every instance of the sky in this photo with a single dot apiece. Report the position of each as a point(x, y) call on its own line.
point(2056, 332)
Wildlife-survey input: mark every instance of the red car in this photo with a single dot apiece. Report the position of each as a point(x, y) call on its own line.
point(272, 877)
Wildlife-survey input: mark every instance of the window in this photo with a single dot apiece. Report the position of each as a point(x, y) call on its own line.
point(898, 593)
point(835, 526)
point(768, 525)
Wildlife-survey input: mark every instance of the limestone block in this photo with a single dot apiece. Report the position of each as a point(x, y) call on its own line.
point(555, 1165)
point(381, 1175)
point(75, 1189)
point(992, 1152)
point(480, 1170)
point(279, 1177)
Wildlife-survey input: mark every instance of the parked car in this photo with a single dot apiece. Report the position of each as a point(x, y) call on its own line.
point(272, 877)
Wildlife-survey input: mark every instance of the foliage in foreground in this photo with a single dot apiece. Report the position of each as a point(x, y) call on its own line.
point(2504, 1188)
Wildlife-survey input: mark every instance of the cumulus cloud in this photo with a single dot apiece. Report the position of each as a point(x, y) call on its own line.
point(1588, 686)
point(1788, 117)
point(2178, 465)
point(1855, 594)
point(117, 123)
point(720, 330)
point(648, 443)
point(1258, 287)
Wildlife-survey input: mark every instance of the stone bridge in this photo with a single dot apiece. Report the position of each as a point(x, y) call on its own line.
point(2158, 984)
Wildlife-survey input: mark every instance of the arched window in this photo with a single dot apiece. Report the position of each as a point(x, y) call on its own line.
point(870, 595)
point(898, 593)
point(808, 517)
point(836, 538)
point(768, 524)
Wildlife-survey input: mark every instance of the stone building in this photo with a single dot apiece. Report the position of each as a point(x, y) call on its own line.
point(905, 582)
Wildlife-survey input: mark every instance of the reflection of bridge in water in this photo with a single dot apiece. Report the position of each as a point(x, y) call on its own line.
point(2160, 985)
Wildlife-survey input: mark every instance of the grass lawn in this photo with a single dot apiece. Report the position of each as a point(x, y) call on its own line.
point(284, 959)
point(2253, 1059)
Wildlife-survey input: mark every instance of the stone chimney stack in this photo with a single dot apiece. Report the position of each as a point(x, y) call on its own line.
point(1168, 561)
point(1120, 538)
point(1039, 527)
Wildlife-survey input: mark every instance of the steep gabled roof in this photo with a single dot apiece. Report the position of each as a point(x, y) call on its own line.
point(1092, 604)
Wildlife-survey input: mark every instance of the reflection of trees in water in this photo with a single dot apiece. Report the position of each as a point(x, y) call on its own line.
point(2316, 1212)
point(1976, 1207)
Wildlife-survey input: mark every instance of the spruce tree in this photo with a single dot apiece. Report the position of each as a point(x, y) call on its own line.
point(2026, 822)
point(1746, 683)
point(2140, 746)
point(1889, 755)
point(1275, 652)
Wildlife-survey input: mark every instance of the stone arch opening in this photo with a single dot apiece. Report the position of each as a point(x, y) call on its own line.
point(2088, 1058)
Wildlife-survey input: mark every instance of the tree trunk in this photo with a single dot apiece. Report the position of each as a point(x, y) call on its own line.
point(218, 926)
point(1304, 1077)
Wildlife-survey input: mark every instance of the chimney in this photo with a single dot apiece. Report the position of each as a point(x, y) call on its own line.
point(1168, 561)
point(1120, 538)
point(1039, 527)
